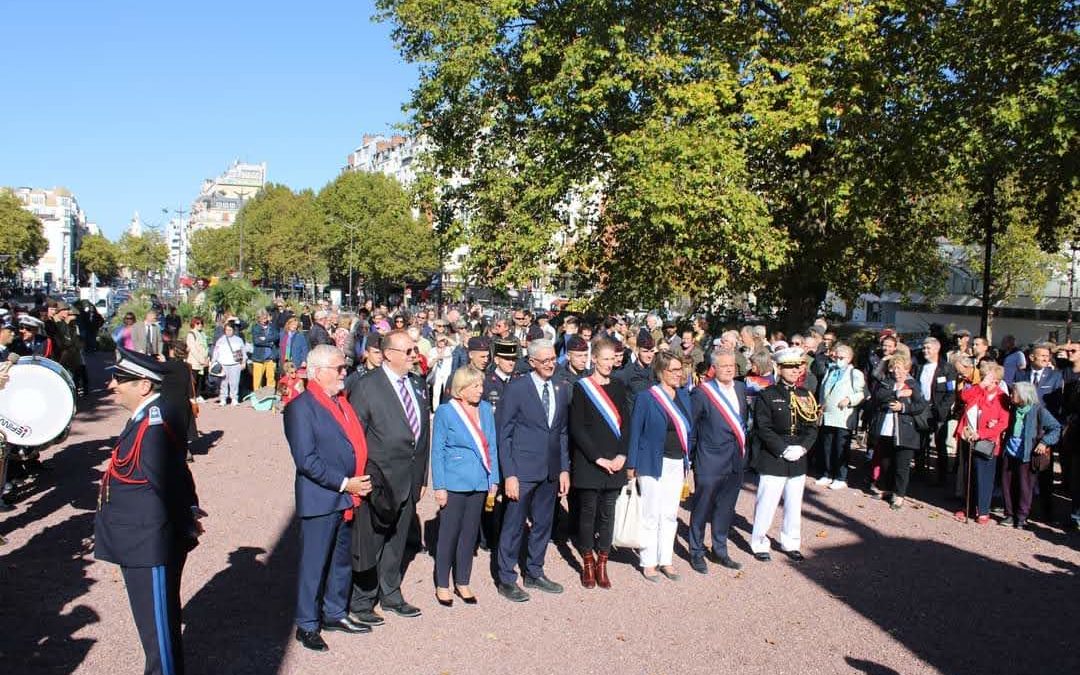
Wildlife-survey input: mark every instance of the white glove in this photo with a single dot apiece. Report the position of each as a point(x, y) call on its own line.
point(792, 453)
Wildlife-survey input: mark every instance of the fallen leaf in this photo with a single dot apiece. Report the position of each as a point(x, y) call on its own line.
point(772, 642)
point(620, 637)
point(822, 534)
point(738, 575)
point(491, 636)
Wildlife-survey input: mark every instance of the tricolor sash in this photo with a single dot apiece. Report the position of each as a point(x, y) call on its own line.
point(678, 420)
point(604, 404)
point(477, 435)
point(731, 415)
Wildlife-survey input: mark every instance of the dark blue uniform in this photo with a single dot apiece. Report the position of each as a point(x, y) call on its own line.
point(146, 525)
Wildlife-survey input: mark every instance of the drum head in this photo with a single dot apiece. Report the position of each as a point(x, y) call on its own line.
point(37, 404)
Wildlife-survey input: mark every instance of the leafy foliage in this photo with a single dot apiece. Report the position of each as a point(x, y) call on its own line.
point(214, 252)
point(143, 254)
point(232, 295)
point(97, 255)
point(22, 237)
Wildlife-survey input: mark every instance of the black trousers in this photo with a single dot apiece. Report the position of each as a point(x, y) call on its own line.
point(154, 595)
point(459, 524)
point(895, 466)
point(382, 583)
point(596, 519)
point(939, 431)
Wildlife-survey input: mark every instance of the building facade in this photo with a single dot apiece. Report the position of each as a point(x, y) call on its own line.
point(64, 225)
point(395, 156)
point(220, 198)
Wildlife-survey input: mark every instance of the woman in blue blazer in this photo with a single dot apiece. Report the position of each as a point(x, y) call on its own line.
point(658, 457)
point(464, 471)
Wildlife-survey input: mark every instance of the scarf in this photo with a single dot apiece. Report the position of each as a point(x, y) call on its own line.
point(346, 418)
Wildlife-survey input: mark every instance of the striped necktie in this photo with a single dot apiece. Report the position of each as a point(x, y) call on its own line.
point(410, 412)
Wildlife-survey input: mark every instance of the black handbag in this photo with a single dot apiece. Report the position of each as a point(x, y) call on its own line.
point(983, 448)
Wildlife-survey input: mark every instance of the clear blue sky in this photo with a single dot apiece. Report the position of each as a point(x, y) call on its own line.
point(131, 104)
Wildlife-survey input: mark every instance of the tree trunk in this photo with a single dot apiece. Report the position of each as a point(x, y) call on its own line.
point(803, 293)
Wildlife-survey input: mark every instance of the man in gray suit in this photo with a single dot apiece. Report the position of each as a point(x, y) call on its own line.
point(146, 336)
point(393, 408)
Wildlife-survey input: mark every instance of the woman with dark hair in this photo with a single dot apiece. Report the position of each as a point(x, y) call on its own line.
point(599, 420)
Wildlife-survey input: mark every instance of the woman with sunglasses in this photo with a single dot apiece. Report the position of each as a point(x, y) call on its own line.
point(122, 335)
point(658, 456)
point(198, 355)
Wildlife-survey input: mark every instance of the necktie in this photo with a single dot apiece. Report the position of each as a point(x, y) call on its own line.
point(546, 400)
point(1035, 376)
point(410, 412)
point(149, 339)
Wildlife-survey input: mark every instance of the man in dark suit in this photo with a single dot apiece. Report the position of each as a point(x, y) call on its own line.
point(393, 407)
point(147, 519)
point(533, 454)
point(329, 471)
point(1050, 387)
point(937, 382)
point(718, 447)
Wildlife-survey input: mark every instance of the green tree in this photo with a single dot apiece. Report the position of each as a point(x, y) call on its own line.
point(143, 254)
point(22, 237)
point(372, 230)
point(214, 252)
point(97, 255)
point(284, 235)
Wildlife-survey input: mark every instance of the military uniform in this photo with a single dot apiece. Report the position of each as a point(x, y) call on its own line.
point(146, 524)
point(636, 378)
point(785, 436)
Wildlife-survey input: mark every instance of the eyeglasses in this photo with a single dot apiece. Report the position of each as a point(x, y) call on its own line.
point(544, 362)
point(790, 365)
point(340, 368)
point(410, 351)
point(674, 370)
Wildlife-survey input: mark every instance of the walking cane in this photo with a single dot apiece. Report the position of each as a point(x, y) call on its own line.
point(967, 487)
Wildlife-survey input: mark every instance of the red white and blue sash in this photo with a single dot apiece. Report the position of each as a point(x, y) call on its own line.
point(477, 435)
point(604, 404)
point(678, 420)
point(731, 415)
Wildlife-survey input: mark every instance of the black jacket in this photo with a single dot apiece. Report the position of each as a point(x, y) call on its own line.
point(773, 427)
point(942, 390)
point(591, 438)
point(904, 432)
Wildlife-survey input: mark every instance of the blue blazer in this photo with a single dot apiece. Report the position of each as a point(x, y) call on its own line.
point(323, 456)
point(648, 431)
point(456, 464)
point(298, 348)
point(528, 449)
point(1050, 388)
point(265, 342)
point(714, 449)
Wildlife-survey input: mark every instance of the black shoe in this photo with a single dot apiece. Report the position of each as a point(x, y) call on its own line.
point(542, 583)
point(404, 609)
point(1021, 524)
point(725, 561)
point(513, 592)
point(468, 600)
point(697, 563)
point(346, 625)
point(311, 640)
point(795, 556)
point(763, 556)
point(367, 617)
point(447, 602)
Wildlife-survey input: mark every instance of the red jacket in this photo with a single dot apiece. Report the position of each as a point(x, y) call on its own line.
point(991, 405)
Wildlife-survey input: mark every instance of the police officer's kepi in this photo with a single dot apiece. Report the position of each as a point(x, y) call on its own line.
point(135, 366)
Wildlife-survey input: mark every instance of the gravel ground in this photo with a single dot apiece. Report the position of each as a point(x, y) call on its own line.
point(880, 592)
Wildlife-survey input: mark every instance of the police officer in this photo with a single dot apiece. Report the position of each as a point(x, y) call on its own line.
point(32, 342)
point(505, 352)
point(785, 416)
point(147, 482)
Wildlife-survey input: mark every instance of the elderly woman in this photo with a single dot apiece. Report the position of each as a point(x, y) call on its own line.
point(198, 354)
point(440, 364)
point(464, 470)
point(983, 422)
point(229, 352)
point(1031, 433)
point(599, 418)
point(896, 404)
point(658, 455)
point(293, 345)
point(844, 388)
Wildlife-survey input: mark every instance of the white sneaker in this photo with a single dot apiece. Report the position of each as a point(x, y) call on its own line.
point(200, 399)
point(235, 403)
point(824, 480)
point(221, 403)
point(838, 485)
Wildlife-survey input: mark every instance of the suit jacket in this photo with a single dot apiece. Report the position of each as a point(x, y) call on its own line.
point(1050, 387)
point(318, 335)
point(591, 438)
point(648, 431)
point(942, 388)
point(456, 463)
point(323, 456)
point(529, 449)
point(147, 522)
point(714, 449)
point(138, 338)
point(402, 457)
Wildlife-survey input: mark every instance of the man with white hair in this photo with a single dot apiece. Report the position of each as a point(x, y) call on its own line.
point(729, 340)
point(320, 330)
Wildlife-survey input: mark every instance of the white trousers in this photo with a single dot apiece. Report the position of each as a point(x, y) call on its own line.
point(769, 491)
point(660, 513)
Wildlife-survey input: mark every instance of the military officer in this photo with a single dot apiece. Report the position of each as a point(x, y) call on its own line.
point(32, 340)
point(505, 352)
point(638, 375)
point(785, 418)
point(148, 515)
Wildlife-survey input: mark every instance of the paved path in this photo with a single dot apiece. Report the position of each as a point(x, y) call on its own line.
point(880, 592)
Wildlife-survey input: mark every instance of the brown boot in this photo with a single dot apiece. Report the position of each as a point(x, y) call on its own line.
point(588, 570)
point(602, 579)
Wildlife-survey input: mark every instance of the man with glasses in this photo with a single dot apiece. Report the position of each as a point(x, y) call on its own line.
point(533, 453)
point(785, 421)
point(393, 407)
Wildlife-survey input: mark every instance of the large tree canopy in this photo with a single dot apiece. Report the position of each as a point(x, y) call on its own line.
point(22, 237)
point(97, 255)
point(143, 254)
point(784, 148)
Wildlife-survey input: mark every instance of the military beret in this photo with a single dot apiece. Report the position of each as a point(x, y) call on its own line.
point(535, 333)
point(576, 343)
point(479, 344)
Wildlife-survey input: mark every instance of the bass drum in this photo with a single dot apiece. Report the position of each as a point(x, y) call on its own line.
point(38, 403)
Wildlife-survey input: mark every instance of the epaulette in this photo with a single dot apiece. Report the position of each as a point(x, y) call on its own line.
point(155, 416)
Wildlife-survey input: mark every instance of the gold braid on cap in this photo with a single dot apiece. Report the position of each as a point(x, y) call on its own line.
point(803, 408)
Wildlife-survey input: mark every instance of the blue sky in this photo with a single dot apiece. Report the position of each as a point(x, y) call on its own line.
point(132, 104)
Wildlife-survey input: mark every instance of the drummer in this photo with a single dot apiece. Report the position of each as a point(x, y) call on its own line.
point(147, 482)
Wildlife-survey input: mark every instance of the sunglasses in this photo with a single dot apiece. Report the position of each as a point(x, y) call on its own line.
point(410, 351)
